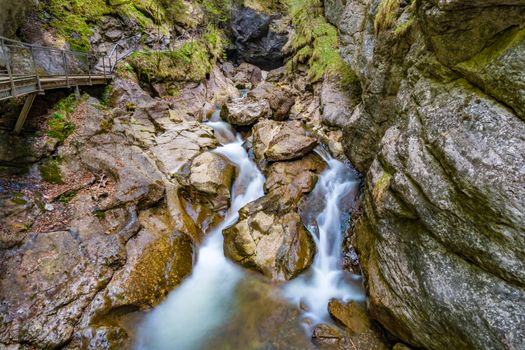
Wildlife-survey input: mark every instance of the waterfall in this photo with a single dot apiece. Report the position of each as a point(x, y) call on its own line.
point(325, 279)
point(203, 301)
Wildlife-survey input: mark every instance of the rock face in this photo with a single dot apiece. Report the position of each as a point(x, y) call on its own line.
point(255, 40)
point(439, 134)
point(270, 237)
point(12, 15)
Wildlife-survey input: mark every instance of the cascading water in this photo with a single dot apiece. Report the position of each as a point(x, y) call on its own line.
point(325, 279)
point(203, 301)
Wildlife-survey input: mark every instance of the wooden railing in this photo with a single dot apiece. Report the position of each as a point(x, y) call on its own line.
point(29, 68)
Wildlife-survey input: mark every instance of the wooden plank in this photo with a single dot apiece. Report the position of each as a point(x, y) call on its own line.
point(23, 114)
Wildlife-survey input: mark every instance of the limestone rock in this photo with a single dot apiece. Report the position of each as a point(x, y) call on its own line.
point(350, 315)
point(245, 111)
point(326, 336)
point(437, 132)
point(302, 173)
point(48, 282)
point(246, 76)
point(278, 141)
point(281, 99)
point(270, 238)
point(208, 180)
point(181, 143)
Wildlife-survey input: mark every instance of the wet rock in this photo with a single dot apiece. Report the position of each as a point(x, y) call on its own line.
point(158, 258)
point(181, 143)
point(208, 180)
point(301, 173)
point(336, 104)
point(326, 336)
point(281, 99)
point(351, 315)
point(438, 141)
point(255, 41)
point(263, 319)
point(219, 89)
point(278, 141)
point(245, 111)
point(246, 76)
point(48, 282)
point(270, 238)
point(102, 338)
point(17, 214)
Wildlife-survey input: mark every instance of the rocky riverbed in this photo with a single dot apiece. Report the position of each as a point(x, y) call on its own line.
point(279, 175)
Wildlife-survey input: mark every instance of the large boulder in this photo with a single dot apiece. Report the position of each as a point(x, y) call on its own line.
point(278, 141)
point(208, 180)
point(256, 41)
point(281, 100)
point(301, 173)
point(270, 237)
point(438, 133)
point(244, 112)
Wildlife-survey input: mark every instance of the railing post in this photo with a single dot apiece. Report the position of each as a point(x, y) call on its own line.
point(104, 66)
point(89, 69)
point(64, 59)
point(35, 69)
point(8, 67)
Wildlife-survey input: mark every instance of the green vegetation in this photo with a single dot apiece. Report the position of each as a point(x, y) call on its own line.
point(65, 198)
point(50, 171)
point(74, 19)
point(59, 127)
point(388, 13)
point(267, 6)
point(217, 11)
point(386, 16)
point(101, 214)
point(316, 43)
point(18, 198)
point(191, 62)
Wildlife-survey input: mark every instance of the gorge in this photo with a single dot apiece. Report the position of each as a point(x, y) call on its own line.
point(284, 174)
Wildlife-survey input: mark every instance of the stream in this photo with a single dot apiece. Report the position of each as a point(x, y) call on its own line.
point(220, 305)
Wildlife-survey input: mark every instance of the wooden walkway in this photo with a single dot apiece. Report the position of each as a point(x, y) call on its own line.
point(28, 70)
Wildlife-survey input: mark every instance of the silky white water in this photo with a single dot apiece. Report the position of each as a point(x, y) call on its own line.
point(326, 279)
point(204, 300)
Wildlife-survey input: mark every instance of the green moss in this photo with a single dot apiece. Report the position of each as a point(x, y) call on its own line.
point(191, 62)
point(316, 43)
point(381, 186)
point(217, 11)
point(101, 214)
point(58, 127)
point(50, 171)
point(18, 198)
point(65, 198)
point(404, 27)
point(509, 38)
